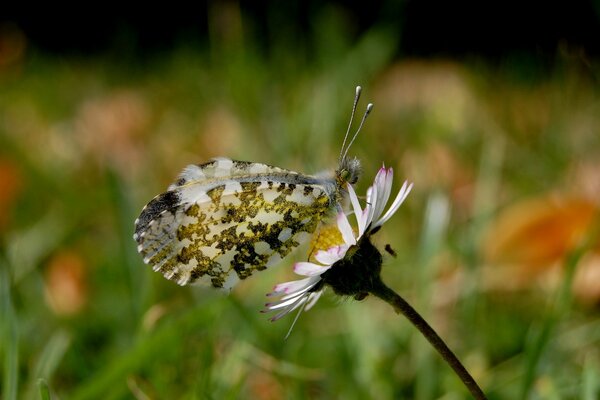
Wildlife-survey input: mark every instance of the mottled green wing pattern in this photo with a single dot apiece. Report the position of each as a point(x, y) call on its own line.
point(223, 220)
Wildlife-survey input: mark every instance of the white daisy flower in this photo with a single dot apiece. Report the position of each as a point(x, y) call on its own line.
point(353, 268)
point(304, 293)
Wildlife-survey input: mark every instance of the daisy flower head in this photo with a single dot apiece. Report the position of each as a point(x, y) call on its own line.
point(346, 267)
point(353, 268)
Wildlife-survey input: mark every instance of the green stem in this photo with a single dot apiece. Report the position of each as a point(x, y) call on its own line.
point(380, 290)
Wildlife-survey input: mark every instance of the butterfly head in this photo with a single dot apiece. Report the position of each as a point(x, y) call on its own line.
point(348, 171)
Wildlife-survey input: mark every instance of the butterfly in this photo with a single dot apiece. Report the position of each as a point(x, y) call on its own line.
point(222, 220)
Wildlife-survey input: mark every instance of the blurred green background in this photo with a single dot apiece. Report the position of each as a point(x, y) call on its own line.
point(497, 244)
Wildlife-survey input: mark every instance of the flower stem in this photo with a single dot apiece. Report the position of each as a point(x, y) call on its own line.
point(401, 306)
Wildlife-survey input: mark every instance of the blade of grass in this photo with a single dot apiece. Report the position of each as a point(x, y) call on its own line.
point(138, 277)
point(10, 337)
point(44, 390)
point(590, 388)
point(435, 223)
point(49, 360)
point(26, 248)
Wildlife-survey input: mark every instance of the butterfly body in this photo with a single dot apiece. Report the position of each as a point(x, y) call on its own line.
point(223, 220)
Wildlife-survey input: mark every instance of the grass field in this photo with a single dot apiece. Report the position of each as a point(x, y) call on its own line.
point(497, 244)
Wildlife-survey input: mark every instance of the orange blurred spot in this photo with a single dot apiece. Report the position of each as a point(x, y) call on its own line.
point(220, 133)
point(12, 44)
point(264, 386)
point(450, 173)
point(531, 239)
point(586, 284)
point(10, 186)
point(66, 290)
point(539, 232)
point(109, 127)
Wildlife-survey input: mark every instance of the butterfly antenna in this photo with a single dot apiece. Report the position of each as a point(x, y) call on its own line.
point(356, 97)
point(362, 121)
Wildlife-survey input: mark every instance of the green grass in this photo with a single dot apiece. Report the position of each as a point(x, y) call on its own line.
point(10, 341)
point(92, 141)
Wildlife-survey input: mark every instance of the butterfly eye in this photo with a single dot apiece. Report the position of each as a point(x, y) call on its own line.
point(352, 178)
point(348, 175)
point(344, 175)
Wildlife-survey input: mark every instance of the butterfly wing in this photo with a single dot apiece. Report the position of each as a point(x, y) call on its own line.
point(223, 220)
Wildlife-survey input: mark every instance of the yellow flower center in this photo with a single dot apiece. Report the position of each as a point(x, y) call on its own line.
point(326, 237)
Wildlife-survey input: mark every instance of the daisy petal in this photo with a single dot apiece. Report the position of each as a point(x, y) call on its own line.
point(284, 303)
point(380, 192)
point(345, 229)
point(369, 195)
point(289, 287)
point(387, 190)
point(404, 191)
point(312, 299)
point(371, 205)
point(289, 309)
point(357, 210)
point(331, 255)
point(311, 282)
point(309, 269)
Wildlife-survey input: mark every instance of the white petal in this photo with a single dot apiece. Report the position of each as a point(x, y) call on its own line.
point(290, 287)
point(369, 194)
point(345, 229)
point(404, 191)
point(309, 269)
point(290, 309)
point(371, 205)
point(330, 256)
point(365, 216)
point(313, 280)
point(358, 212)
point(380, 178)
point(382, 184)
point(284, 303)
point(312, 299)
point(386, 190)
